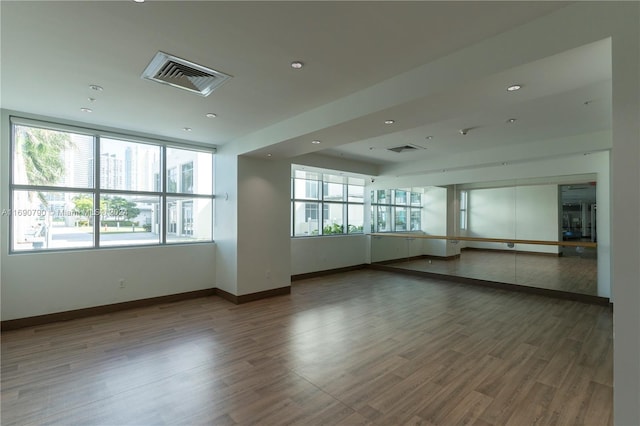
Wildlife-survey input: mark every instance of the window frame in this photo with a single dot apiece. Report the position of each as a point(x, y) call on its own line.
point(94, 187)
point(323, 202)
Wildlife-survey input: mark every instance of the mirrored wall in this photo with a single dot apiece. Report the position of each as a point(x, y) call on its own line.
point(537, 233)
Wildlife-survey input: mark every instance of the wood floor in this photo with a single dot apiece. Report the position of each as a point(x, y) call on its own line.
point(362, 347)
point(574, 274)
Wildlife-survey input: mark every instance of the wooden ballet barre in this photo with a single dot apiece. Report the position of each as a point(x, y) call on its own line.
point(489, 240)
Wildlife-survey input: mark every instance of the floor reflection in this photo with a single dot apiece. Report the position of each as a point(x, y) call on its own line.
point(574, 272)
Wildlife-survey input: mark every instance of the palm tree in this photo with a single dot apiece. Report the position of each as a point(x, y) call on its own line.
point(40, 152)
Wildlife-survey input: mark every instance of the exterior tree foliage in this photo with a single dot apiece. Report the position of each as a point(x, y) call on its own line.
point(120, 208)
point(41, 151)
point(84, 204)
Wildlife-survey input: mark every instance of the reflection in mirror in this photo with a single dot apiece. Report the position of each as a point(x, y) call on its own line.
point(536, 233)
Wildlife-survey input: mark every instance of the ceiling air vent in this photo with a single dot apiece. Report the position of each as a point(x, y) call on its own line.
point(405, 148)
point(183, 74)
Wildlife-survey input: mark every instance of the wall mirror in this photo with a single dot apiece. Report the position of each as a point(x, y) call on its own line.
point(539, 232)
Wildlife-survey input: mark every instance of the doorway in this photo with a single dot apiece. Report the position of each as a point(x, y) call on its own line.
point(578, 216)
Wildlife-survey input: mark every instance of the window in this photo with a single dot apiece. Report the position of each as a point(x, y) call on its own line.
point(400, 219)
point(326, 203)
point(395, 210)
point(415, 220)
point(76, 188)
point(463, 209)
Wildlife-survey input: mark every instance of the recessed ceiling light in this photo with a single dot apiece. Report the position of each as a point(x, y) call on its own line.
point(91, 99)
point(511, 120)
point(429, 138)
point(514, 87)
point(315, 142)
point(139, 1)
point(296, 65)
point(389, 121)
point(187, 129)
point(269, 155)
point(211, 115)
point(86, 110)
point(96, 87)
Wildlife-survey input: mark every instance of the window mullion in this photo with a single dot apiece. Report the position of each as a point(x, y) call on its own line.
point(96, 192)
point(321, 207)
point(163, 198)
point(345, 218)
point(293, 207)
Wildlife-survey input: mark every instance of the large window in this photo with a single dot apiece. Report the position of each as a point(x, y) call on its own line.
point(396, 210)
point(75, 188)
point(326, 203)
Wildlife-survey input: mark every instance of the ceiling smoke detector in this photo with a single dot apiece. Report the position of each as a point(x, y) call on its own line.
point(183, 74)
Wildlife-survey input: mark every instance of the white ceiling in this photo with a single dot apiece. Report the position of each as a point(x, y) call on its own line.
point(52, 51)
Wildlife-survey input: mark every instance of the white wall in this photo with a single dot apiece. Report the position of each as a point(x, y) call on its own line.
point(624, 23)
point(44, 283)
point(225, 231)
point(315, 254)
point(522, 212)
point(264, 219)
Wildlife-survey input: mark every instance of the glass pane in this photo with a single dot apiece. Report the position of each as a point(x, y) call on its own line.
point(356, 193)
point(302, 174)
point(334, 178)
point(373, 218)
point(189, 219)
point(356, 218)
point(416, 199)
point(129, 220)
point(307, 219)
point(416, 220)
point(463, 200)
point(401, 197)
point(52, 158)
point(186, 178)
point(383, 196)
point(383, 223)
point(128, 165)
point(51, 220)
point(306, 189)
point(401, 219)
point(189, 171)
point(333, 191)
point(332, 219)
point(172, 180)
